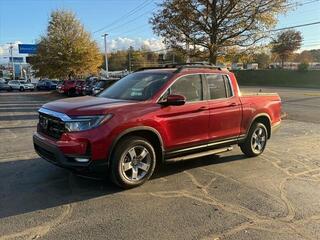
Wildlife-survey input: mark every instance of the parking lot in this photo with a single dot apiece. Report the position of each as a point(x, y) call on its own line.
point(273, 196)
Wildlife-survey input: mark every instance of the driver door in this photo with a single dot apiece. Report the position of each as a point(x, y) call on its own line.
point(186, 125)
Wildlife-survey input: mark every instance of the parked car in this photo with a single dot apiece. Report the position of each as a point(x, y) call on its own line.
point(47, 85)
point(89, 85)
point(103, 84)
point(2, 80)
point(68, 87)
point(5, 87)
point(79, 86)
point(20, 85)
point(154, 116)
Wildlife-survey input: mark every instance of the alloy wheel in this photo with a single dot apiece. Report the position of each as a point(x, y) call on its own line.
point(135, 163)
point(258, 140)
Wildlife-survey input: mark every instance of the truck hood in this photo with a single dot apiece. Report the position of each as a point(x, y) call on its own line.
point(86, 105)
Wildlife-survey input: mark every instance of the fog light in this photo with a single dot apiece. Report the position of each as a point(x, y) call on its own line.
point(82, 160)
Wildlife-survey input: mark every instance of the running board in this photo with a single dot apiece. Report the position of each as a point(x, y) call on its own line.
point(197, 155)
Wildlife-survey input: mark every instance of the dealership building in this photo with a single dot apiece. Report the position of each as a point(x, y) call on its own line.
point(17, 64)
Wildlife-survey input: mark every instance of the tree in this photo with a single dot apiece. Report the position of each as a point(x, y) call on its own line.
point(315, 54)
point(304, 57)
point(263, 60)
point(118, 60)
point(303, 67)
point(215, 25)
point(67, 49)
point(286, 43)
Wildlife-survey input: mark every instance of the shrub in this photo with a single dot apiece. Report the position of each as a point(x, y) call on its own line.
point(303, 67)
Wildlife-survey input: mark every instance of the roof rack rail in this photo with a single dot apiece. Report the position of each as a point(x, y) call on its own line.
point(197, 65)
point(150, 68)
point(181, 67)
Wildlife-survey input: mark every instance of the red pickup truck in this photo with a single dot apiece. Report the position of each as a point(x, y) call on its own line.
point(69, 87)
point(154, 116)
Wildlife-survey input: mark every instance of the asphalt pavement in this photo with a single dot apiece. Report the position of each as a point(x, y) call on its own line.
point(229, 196)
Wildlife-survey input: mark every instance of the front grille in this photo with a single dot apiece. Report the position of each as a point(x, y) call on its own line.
point(51, 126)
point(45, 153)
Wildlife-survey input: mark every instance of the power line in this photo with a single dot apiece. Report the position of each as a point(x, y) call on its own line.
point(125, 16)
point(297, 4)
point(297, 26)
point(138, 28)
point(134, 19)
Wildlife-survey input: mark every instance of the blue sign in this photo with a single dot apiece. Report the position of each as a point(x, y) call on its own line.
point(28, 48)
point(16, 59)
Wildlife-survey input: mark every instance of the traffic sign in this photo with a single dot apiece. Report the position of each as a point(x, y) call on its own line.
point(28, 48)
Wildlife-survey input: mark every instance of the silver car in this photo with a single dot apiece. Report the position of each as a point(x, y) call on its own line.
point(20, 85)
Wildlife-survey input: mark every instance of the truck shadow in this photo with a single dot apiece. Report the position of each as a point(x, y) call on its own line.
point(32, 185)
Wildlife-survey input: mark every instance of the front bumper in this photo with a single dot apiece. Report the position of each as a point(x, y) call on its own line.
point(48, 150)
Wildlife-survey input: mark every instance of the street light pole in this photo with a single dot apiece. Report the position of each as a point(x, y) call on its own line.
point(106, 53)
point(12, 64)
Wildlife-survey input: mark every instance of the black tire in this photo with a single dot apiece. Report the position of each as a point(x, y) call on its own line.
point(121, 158)
point(71, 92)
point(255, 144)
point(21, 89)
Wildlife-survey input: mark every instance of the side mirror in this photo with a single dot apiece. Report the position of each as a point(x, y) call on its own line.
point(174, 100)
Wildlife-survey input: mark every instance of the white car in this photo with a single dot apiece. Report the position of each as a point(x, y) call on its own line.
point(20, 85)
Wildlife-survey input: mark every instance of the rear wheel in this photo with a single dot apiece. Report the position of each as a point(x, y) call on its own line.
point(256, 140)
point(133, 162)
point(71, 92)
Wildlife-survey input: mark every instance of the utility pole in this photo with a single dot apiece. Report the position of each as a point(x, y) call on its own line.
point(11, 58)
point(129, 60)
point(106, 53)
point(188, 52)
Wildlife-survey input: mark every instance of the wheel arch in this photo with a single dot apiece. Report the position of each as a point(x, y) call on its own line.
point(149, 133)
point(262, 118)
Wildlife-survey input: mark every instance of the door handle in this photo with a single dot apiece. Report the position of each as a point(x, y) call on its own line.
point(202, 108)
point(232, 104)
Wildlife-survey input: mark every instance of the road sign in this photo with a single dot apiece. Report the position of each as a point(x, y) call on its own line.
point(28, 48)
point(16, 59)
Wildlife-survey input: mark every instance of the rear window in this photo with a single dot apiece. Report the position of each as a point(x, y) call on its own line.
point(219, 86)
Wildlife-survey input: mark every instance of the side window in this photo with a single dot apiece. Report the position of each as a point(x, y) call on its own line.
point(219, 86)
point(228, 86)
point(189, 86)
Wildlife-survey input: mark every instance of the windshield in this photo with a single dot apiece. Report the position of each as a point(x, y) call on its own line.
point(104, 84)
point(138, 86)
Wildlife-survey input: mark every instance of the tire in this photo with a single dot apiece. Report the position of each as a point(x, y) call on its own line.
point(21, 89)
point(132, 162)
point(71, 92)
point(256, 140)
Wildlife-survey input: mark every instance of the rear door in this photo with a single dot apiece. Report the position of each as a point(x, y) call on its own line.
point(186, 125)
point(225, 112)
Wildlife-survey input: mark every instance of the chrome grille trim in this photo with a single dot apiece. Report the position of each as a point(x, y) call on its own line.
point(62, 116)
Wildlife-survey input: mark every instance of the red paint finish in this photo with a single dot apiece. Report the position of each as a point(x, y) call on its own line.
point(187, 125)
point(68, 85)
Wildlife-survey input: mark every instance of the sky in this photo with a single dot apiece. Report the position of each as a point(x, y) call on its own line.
point(24, 21)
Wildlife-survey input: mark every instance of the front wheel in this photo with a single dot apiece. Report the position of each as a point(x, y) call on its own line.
point(133, 162)
point(21, 89)
point(256, 140)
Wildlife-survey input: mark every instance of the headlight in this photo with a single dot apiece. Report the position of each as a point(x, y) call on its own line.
point(83, 123)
